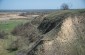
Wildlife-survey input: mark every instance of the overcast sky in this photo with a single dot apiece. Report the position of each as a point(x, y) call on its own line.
point(40, 4)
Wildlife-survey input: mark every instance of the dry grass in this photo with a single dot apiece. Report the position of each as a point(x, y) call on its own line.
point(66, 39)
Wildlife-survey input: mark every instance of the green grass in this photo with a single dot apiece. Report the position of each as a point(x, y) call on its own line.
point(8, 26)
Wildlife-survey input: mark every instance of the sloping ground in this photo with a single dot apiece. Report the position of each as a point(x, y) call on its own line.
point(61, 33)
point(68, 40)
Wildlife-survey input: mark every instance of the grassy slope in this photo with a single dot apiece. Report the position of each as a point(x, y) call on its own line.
point(79, 46)
point(7, 26)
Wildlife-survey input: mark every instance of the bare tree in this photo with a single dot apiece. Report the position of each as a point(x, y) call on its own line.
point(64, 6)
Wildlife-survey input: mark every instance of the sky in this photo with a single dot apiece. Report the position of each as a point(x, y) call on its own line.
point(40, 4)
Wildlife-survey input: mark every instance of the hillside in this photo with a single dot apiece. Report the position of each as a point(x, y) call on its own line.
point(64, 33)
point(59, 33)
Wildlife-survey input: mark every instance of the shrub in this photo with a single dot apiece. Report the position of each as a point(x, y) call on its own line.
point(2, 34)
point(13, 46)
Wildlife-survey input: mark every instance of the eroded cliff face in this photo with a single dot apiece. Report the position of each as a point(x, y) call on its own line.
point(70, 40)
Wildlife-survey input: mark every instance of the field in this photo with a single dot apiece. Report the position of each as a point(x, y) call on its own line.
point(7, 23)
